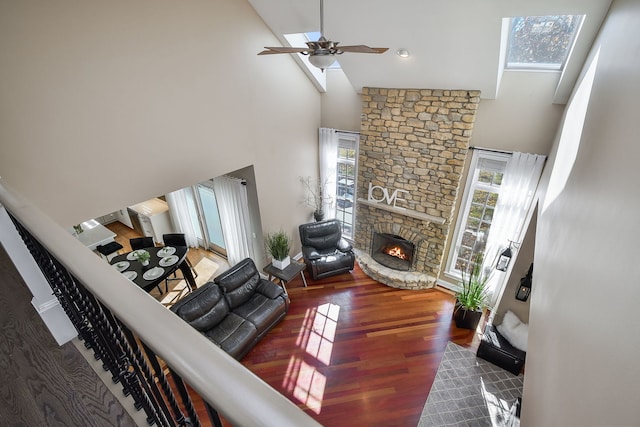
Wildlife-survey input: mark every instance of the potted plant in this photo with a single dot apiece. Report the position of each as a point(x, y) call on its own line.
point(143, 256)
point(278, 245)
point(316, 196)
point(472, 297)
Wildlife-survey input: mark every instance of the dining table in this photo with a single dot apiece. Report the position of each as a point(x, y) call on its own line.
point(163, 262)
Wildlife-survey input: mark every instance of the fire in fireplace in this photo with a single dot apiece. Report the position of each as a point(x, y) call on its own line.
point(392, 251)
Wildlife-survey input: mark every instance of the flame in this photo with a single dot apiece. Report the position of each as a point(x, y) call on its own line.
point(397, 252)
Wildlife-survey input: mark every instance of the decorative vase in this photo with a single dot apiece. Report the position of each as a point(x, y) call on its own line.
point(281, 264)
point(144, 262)
point(318, 215)
point(466, 319)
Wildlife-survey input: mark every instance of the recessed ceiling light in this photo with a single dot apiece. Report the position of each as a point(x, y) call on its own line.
point(402, 53)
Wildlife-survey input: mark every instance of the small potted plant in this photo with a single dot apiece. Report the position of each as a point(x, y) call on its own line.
point(143, 256)
point(472, 297)
point(278, 245)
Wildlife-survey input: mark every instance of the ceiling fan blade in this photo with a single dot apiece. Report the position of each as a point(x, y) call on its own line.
point(274, 50)
point(363, 49)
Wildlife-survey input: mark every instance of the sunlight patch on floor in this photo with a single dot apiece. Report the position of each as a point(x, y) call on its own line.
point(303, 380)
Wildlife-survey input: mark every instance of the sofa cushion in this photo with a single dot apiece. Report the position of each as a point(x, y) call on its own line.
point(204, 308)
point(239, 282)
point(235, 335)
point(263, 312)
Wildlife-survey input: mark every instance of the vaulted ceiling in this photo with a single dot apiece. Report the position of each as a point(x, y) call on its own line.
point(454, 44)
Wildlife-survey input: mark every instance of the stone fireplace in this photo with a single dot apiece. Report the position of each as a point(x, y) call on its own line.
point(413, 146)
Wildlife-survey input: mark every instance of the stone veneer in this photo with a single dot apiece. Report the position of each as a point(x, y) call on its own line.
point(414, 140)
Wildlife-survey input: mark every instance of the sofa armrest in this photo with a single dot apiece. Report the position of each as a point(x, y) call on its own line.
point(344, 246)
point(269, 289)
point(310, 253)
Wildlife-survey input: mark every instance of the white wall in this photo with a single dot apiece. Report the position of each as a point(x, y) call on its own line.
point(523, 117)
point(341, 104)
point(106, 104)
point(582, 365)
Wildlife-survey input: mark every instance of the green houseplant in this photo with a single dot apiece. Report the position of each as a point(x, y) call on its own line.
point(278, 245)
point(142, 256)
point(471, 299)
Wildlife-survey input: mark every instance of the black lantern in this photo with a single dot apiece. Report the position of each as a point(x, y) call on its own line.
point(524, 290)
point(504, 259)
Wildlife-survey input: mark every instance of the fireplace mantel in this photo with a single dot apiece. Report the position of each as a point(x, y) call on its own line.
point(402, 211)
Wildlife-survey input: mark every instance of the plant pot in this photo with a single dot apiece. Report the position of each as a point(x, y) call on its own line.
point(318, 215)
point(145, 262)
point(281, 264)
point(466, 319)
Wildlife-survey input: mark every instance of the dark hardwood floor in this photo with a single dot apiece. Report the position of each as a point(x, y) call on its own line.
point(41, 383)
point(353, 352)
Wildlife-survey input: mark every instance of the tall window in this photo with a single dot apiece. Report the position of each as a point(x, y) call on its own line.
point(346, 181)
point(476, 213)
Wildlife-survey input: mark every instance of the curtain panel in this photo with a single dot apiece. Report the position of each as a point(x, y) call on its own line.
point(517, 193)
point(328, 149)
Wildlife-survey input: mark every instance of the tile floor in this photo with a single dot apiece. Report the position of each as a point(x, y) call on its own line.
point(470, 391)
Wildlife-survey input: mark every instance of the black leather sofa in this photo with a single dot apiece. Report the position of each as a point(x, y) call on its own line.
point(236, 310)
point(496, 349)
point(324, 250)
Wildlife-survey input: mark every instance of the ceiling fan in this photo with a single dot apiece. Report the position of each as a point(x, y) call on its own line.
point(322, 53)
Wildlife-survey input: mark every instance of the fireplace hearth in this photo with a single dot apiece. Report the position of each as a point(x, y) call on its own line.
point(392, 251)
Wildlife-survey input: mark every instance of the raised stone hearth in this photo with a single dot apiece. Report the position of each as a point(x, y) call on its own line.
point(413, 146)
point(391, 277)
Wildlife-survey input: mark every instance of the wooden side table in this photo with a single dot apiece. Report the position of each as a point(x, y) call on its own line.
point(287, 274)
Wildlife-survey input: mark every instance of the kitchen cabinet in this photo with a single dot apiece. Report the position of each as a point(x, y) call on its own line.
point(107, 219)
point(153, 219)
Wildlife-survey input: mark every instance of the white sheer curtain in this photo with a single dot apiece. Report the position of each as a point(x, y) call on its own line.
point(519, 184)
point(178, 202)
point(233, 207)
point(328, 147)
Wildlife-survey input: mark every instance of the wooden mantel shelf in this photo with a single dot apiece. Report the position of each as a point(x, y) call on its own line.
point(402, 211)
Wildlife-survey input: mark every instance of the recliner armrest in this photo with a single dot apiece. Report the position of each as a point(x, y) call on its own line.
point(269, 289)
point(310, 253)
point(344, 246)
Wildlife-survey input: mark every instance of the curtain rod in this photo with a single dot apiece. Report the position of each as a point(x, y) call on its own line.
point(346, 131)
point(490, 150)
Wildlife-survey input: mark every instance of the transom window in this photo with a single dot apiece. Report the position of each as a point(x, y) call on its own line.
point(541, 42)
point(476, 213)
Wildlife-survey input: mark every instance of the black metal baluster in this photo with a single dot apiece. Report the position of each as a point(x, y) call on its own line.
point(166, 387)
point(186, 400)
point(114, 337)
point(128, 341)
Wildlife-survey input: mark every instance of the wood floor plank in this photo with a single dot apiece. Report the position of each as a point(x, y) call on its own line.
point(41, 383)
point(354, 352)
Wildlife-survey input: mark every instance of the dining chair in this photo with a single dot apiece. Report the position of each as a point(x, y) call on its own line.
point(141, 243)
point(178, 239)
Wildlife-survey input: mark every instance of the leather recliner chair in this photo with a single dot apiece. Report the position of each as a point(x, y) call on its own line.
point(324, 250)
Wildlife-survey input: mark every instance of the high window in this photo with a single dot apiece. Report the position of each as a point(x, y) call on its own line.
point(476, 213)
point(346, 181)
point(541, 42)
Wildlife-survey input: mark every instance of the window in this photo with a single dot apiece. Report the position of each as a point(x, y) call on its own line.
point(476, 212)
point(346, 181)
point(541, 42)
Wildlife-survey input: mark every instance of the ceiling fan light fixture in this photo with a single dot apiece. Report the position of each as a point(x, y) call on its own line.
point(322, 61)
point(403, 53)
